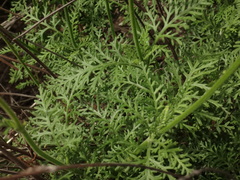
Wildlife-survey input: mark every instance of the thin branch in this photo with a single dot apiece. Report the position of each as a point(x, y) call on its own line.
point(29, 65)
point(18, 106)
point(7, 63)
point(15, 149)
point(12, 158)
point(9, 36)
point(17, 94)
point(21, 107)
point(7, 171)
point(6, 36)
point(4, 3)
point(15, 160)
point(50, 169)
point(43, 19)
point(6, 10)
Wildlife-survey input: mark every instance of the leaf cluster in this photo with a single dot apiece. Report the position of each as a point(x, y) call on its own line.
point(111, 106)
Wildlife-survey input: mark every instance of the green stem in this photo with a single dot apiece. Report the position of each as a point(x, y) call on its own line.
point(69, 25)
point(20, 128)
point(134, 29)
point(110, 19)
point(233, 67)
point(19, 58)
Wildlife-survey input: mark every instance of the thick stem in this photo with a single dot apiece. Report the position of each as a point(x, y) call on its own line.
point(134, 29)
point(69, 25)
point(110, 19)
point(233, 67)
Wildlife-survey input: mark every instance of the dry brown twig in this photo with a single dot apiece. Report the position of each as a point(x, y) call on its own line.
point(15, 160)
point(3, 57)
point(43, 19)
point(51, 169)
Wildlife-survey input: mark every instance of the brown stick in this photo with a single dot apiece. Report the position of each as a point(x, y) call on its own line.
point(17, 94)
point(7, 63)
point(10, 37)
point(15, 160)
point(50, 169)
point(36, 24)
point(29, 65)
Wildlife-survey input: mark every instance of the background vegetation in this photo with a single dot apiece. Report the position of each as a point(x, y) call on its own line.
point(125, 76)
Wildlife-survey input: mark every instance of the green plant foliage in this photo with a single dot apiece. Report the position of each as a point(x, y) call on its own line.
point(111, 108)
point(5, 50)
